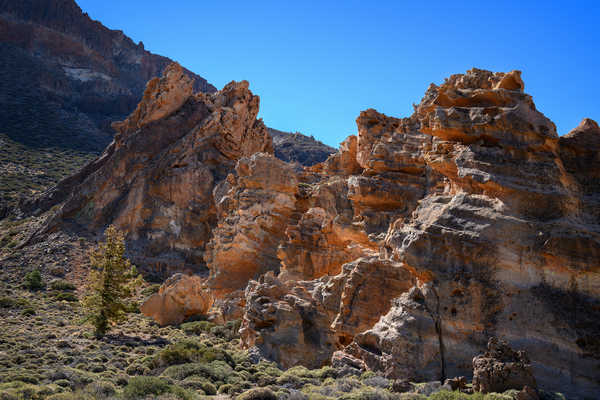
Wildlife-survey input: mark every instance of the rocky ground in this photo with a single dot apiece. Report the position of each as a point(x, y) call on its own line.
point(27, 171)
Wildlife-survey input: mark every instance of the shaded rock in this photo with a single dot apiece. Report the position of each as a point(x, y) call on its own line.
point(500, 369)
point(178, 298)
point(527, 393)
point(298, 148)
point(347, 364)
point(401, 386)
point(458, 383)
point(286, 324)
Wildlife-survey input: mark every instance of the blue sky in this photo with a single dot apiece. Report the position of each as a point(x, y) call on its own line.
point(317, 64)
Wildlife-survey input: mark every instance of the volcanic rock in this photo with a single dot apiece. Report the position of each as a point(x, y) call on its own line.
point(489, 214)
point(298, 148)
point(500, 369)
point(155, 180)
point(178, 298)
point(405, 251)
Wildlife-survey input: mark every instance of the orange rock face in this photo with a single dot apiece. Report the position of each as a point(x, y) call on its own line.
point(424, 236)
point(155, 181)
point(178, 298)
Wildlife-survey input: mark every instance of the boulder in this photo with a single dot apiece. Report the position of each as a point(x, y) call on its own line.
point(178, 298)
point(500, 369)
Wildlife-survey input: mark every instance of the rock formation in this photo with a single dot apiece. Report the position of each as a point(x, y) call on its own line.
point(404, 252)
point(424, 236)
point(500, 369)
point(155, 180)
point(178, 298)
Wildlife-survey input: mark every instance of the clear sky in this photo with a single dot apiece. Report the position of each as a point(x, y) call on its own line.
point(317, 64)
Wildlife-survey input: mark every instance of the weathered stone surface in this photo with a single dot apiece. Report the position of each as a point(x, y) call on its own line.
point(179, 297)
point(256, 210)
point(293, 327)
point(155, 181)
point(162, 97)
point(298, 148)
point(490, 214)
point(500, 369)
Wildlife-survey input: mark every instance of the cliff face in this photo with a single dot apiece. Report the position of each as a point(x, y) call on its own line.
point(405, 251)
point(64, 77)
point(155, 181)
point(424, 236)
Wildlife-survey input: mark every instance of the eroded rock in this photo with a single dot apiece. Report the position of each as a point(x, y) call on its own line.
point(500, 369)
point(178, 298)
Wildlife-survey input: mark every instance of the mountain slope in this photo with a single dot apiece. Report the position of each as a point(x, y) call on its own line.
point(64, 77)
point(296, 147)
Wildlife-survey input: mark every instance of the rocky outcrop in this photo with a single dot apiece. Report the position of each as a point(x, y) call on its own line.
point(155, 181)
point(485, 214)
point(404, 252)
point(178, 298)
point(255, 210)
point(65, 77)
point(500, 369)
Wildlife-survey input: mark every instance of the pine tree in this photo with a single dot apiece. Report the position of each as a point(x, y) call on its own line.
point(111, 282)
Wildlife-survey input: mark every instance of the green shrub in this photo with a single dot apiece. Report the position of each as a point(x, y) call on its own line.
point(215, 371)
point(60, 284)
point(188, 352)
point(456, 395)
point(198, 383)
point(33, 280)
point(66, 296)
point(258, 394)
point(101, 389)
point(197, 327)
point(7, 302)
point(141, 387)
point(149, 290)
point(28, 312)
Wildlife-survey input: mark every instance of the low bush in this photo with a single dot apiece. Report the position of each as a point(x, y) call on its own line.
point(149, 386)
point(66, 296)
point(28, 312)
point(33, 280)
point(197, 327)
point(258, 394)
point(215, 371)
point(63, 285)
point(197, 383)
point(189, 352)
